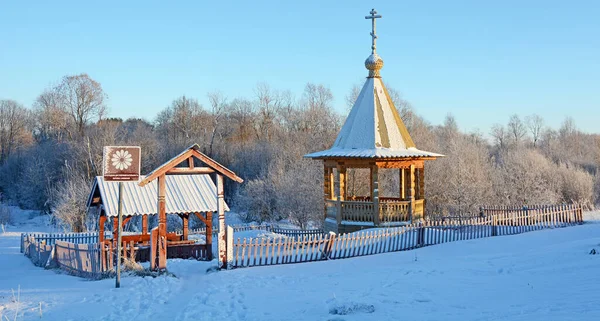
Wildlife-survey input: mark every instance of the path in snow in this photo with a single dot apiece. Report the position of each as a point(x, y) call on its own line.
point(543, 275)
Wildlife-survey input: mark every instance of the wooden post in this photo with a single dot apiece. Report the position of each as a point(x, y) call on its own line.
point(421, 194)
point(402, 183)
point(209, 233)
point(375, 192)
point(153, 248)
point(340, 191)
point(101, 222)
point(120, 237)
point(326, 185)
point(185, 219)
point(343, 186)
point(222, 238)
point(145, 224)
point(115, 222)
point(162, 223)
point(411, 191)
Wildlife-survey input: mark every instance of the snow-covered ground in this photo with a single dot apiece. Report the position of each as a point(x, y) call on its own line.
point(542, 275)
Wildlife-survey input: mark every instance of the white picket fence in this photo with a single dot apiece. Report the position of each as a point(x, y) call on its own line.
point(261, 251)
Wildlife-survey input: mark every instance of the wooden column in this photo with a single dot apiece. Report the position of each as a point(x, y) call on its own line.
point(341, 179)
point(343, 187)
point(185, 219)
point(375, 192)
point(101, 222)
point(422, 183)
point(411, 191)
point(209, 233)
point(145, 224)
point(326, 184)
point(401, 182)
point(222, 238)
point(162, 223)
point(331, 183)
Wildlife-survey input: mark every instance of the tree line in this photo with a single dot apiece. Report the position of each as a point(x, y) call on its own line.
point(51, 151)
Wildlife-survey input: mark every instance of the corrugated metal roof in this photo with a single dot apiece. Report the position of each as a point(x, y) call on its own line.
point(373, 129)
point(185, 194)
point(372, 153)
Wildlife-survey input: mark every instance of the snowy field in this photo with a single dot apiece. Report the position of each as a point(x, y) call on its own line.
point(542, 275)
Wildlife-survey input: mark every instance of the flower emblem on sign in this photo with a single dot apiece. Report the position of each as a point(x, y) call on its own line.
point(121, 160)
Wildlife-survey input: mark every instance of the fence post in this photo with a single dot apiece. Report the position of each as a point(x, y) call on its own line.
point(329, 245)
point(421, 235)
point(229, 247)
point(494, 225)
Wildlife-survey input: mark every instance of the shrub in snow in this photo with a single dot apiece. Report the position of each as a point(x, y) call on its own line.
point(5, 217)
point(351, 308)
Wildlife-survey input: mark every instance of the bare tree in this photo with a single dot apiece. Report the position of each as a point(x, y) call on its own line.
point(83, 98)
point(516, 129)
point(52, 121)
point(535, 123)
point(499, 135)
point(218, 103)
point(15, 127)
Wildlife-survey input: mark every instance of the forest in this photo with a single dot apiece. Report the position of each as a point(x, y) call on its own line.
point(50, 152)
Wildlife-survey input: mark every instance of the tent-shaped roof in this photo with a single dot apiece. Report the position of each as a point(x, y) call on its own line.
point(373, 128)
point(186, 194)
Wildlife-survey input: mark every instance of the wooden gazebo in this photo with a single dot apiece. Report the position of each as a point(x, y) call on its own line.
point(373, 137)
point(158, 252)
point(180, 187)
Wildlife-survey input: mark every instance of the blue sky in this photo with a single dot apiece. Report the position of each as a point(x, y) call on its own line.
point(479, 60)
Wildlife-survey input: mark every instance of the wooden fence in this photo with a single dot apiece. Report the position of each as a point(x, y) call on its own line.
point(38, 252)
point(261, 251)
point(51, 238)
point(79, 259)
point(296, 233)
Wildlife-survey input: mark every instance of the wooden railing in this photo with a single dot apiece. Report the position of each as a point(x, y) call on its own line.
point(390, 210)
point(394, 211)
point(353, 211)
point(419, 209)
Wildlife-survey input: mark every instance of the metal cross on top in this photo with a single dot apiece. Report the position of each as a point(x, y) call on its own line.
point(373, 16)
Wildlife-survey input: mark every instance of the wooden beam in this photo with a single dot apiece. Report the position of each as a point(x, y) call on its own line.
point(204, 220)
point(189, 171)
point(125, 220)
point(166, 167)
point(191, 162)
point(217, 167)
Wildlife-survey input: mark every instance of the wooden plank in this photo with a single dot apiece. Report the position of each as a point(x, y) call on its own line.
point(190, 171)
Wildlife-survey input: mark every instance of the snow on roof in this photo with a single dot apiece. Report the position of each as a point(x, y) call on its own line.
point(185, 194)
point(373, 129)
point(372, 153)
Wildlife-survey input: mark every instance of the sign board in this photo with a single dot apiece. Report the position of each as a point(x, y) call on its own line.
point(121, 163)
